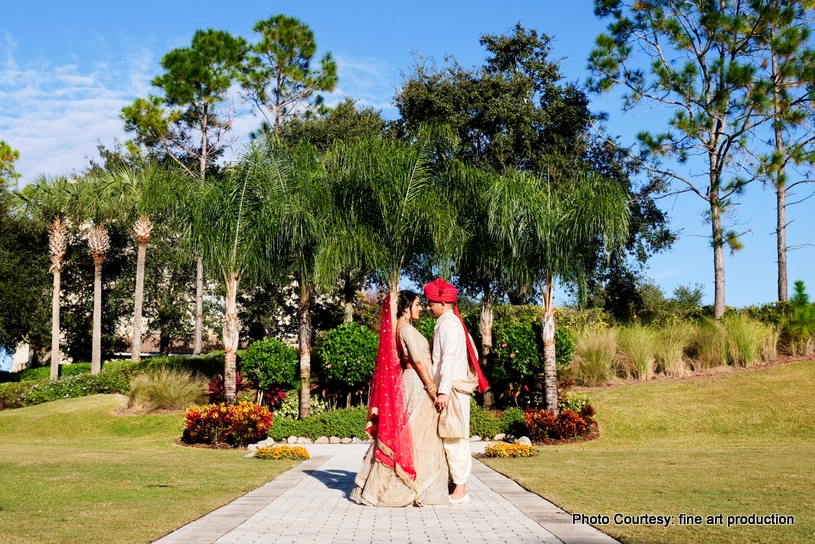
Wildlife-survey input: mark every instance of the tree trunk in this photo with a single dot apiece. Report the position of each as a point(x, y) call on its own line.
point(349, 293)
point(548, 337)
point(55, 327)
point(780, 186)
point(485, 326)
point(781, 238)
point(305, 349)
point(135, 347)
point(164, 343)
point(96, 346)
point(718, 256)
point(199, 306)
point(231, 330)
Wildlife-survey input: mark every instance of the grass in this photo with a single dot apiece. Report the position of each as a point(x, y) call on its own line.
point(73, 471)
point(739, 442)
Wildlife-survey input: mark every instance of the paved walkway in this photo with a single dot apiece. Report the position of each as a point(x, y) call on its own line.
point(309, 503)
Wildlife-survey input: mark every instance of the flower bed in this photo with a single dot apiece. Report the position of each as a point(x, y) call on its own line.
point(237, 425)
point(297, 453)
point(509, 450)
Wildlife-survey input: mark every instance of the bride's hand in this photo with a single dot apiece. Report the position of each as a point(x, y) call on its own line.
point(441, 402)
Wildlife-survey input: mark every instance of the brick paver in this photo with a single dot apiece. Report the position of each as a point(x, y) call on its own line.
point(310, 504)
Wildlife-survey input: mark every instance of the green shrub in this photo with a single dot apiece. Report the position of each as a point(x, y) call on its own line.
point(484, 423)
point(20, 394)
point(799, 325)
point(488, 423)
point(35, 374)
point(271, 364)
point(342, 423)
point(518, 355)
point(637, 346)
point(167, 388)
point(290, 406)
point(593, 360)
point(512, 422)
point(347, 356)
point(573, 401)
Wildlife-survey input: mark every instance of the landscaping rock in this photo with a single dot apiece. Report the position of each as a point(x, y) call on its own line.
point(345, 441)
point(499, 437)
point(291, 439)
point(253, 448)
point(524, 440)
point(250, 455)
point(356, 440)
point(269, 442)
point(334, 440)
point(510, 438)
point(321, 440)
point(475, 438)
point(304, 440)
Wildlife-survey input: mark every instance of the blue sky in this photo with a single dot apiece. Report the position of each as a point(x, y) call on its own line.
point(67, 69)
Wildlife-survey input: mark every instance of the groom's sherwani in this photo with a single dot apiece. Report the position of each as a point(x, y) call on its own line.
point(449, 354)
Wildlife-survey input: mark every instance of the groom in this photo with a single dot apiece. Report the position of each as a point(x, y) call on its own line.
point(456, 369)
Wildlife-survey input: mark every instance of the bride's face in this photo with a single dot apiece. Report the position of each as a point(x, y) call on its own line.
point(415, 310)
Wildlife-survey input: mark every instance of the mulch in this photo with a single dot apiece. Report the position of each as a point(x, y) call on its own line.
point(207, 446)
point(593, 434)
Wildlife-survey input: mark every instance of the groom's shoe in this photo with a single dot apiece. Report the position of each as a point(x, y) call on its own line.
point(463, 500)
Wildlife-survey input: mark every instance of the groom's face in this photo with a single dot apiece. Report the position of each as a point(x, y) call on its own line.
point(437, 308)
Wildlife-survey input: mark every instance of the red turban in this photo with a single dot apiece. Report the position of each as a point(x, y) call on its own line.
point(439, 290)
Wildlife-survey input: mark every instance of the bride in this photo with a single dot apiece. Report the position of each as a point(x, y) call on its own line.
point(405, 464)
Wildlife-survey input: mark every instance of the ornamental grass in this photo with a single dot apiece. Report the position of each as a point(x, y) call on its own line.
point(166, 389)
point(593, 360)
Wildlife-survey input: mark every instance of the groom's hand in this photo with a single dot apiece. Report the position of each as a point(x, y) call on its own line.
point(441, 402)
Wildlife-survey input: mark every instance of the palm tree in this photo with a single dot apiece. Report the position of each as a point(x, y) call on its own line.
point(297, 180)
point(394, 201)
point(48, 201)
point(57, 246)
point(232, 222)
point(550, 232)
point(98, 245)
point(134, 193)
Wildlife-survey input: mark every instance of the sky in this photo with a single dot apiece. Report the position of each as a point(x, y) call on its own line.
point(68, 68)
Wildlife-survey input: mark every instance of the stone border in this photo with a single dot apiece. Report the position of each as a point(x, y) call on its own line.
point(217, 523)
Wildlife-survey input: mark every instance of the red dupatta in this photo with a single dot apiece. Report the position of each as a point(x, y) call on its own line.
point(387, 409)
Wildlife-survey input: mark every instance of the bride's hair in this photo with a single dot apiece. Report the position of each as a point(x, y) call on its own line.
point(406, 298)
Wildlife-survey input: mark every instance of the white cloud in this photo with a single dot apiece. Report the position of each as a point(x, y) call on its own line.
point(369, 79)
point(55, 115)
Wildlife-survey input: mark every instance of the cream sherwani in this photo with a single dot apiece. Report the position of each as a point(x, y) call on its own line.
point(449, 354)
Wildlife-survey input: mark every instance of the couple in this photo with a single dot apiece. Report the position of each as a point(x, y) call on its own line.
point(419, 406)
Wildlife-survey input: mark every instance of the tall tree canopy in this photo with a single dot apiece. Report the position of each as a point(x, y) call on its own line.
point(191, 121)
point(279, 78)
point(695, 58)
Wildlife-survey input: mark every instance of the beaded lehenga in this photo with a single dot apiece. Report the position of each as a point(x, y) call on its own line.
point(376, 484)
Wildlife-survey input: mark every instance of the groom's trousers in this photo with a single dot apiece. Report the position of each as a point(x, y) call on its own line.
point(459, 459)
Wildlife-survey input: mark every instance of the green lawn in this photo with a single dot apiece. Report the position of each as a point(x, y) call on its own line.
point(73, 471)
point(733, 444)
